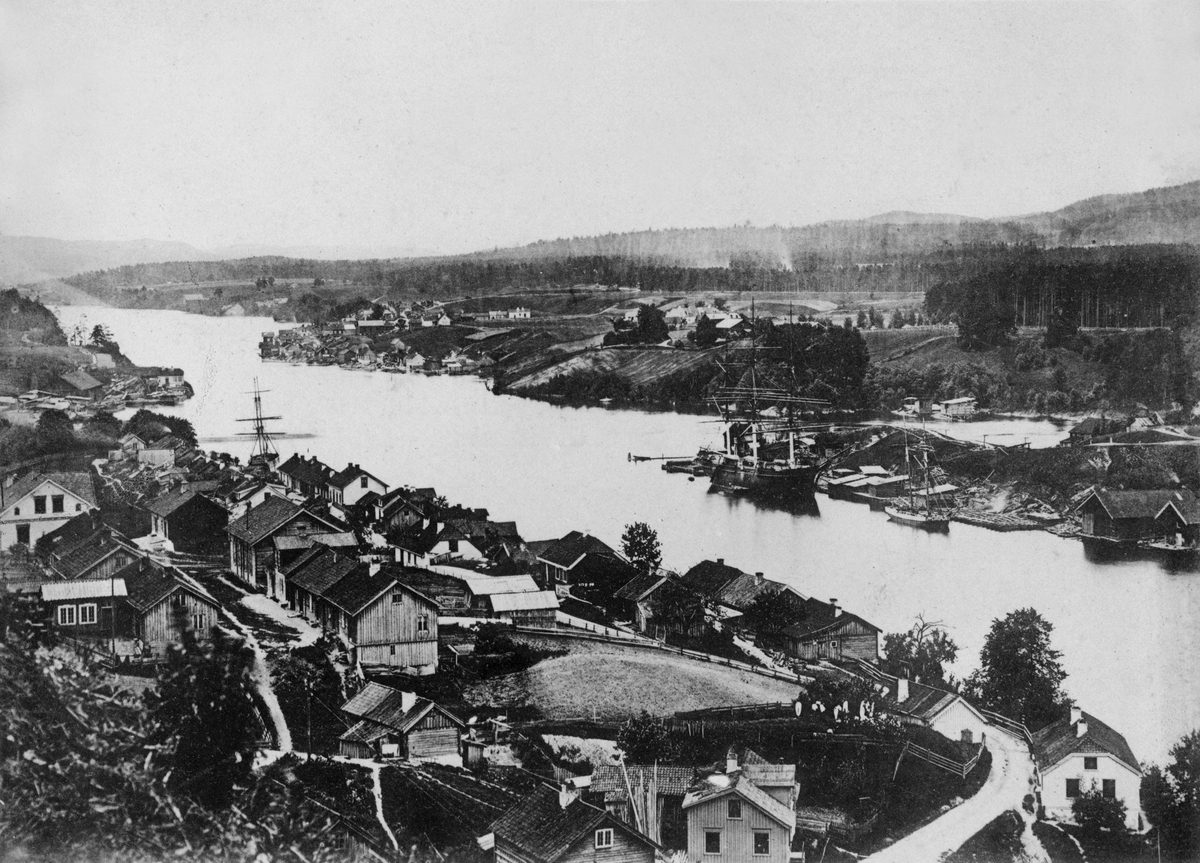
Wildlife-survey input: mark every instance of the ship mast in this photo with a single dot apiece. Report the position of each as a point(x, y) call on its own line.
point(264, 455)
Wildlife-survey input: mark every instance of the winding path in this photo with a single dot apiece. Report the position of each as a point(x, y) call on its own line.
point(1009, 780)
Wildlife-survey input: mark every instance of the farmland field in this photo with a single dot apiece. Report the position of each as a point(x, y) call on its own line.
point(627, 681)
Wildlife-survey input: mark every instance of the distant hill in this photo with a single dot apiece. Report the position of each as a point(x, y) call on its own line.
point(36, 259)
point(1167, 215)
point(905, 217)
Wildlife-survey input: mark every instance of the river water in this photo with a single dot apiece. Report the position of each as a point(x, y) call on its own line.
point(1129, 631)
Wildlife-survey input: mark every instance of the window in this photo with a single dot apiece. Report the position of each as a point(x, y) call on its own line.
point(604, 838)
point(16, 510)
point(735, 808)
point(712, 841)
point(762, 842)
point(198, 622)
point(423, 623)
point(1089, 763)
point(66, 615)
point(79, 507)
point(454, 546)
point(1072, 787)
point(56, 503)
point(362, 482)
point(1110, 789)
point(392, 650)
point(87, 613)
point(39, 504)
point(23, 534)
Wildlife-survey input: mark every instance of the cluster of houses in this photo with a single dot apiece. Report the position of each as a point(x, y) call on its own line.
point(366, 344)
point(81, 395)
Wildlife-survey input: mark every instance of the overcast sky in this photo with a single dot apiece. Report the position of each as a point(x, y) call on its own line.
point(452, 127)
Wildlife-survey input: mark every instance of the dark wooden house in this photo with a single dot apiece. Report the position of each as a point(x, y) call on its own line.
point(1179, 522)
point(395, 724)
point(253, 555)
point(194, 523)
point(826, 631)
point(1126, 516)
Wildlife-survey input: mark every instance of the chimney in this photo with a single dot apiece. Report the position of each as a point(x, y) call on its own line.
point(407, 700)
point(566, 794)
point(837, 611)
point(1080, 728)
point(901, 690)
point(1076, 714)
point(758, 578)
point(721, 561)
point(373, 567)
point(731, 761)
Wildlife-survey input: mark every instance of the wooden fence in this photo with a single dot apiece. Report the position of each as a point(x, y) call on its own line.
point(840, 827)
point(1009, 726)
point(959, 769)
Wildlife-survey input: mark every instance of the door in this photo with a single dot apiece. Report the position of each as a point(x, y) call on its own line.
point(23, 534)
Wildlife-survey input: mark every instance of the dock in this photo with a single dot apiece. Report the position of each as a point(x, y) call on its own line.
point(1000, 521)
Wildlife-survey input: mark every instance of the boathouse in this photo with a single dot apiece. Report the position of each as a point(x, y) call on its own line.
point(395, 724)
point(1179, 522)
point(1127, 516)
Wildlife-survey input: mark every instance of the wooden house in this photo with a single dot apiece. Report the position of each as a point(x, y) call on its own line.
point(39, 503)
point(252, 551)
point(1095, 429)
point(310, 477)
point(555, 826)
point(1126, 516)
point(825, 631)
point(97, 555)
point(81, 385)
point(348, 486)
point(162, 603)
point(404, 507)
point(745, 812)
point(636, 598)
point(84, 608)
point(611, 784)
point(390, 723)
point(1078, 753)
point(193, 522)
point(437, 542)
point(959, 408)
point(1179, 522)
point(564, 561)
point(947, 713)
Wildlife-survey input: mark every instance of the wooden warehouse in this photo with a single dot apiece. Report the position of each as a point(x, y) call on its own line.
point(395, 724)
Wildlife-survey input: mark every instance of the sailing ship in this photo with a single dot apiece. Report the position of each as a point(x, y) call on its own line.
point(919, 510)
point(264, 456)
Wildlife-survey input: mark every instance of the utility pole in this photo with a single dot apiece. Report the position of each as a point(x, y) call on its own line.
point(308, 712)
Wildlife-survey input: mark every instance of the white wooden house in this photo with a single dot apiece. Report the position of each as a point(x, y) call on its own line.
point(40, 503)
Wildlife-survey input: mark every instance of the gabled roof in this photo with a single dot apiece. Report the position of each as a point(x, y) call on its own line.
point(567, 551)
point(709, 577)
point(76, 483)
point(164, 505)
point(386, 706)
point(150, 583)
point(738, 783)
point(820, 618)
point(352, 472)
point(487, 585)
point(272, 514)
point(672, 780)
point(545, 831)
point(1135, 504)
point(81, 380)
point(322, 571)
point(1060, 738)
point(1188, 511)
point(642, 585)
point(89, 553)
point(358, 589)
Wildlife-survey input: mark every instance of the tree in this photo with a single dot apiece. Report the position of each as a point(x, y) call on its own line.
point(639, 543)
point(102, 336)
point(771, 613)
point(1020, 675)
point(706, 332)
point(923, 652)
point(862, 320)
point(54, 430)
point(1095, 812)
point(1171, 799)
point(149, 425)
point(652, 325)
point(645, 739)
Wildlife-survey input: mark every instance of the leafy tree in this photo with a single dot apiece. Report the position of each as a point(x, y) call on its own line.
point(205, 713)
point(1095, 812)
point(1020, 674)
point(652, 325)
point(54, 430)
point(706, 332)
point(1171, 799)
point(639, 543)
point(645, 739)
point(149, 425)
point(862, 320)
point(771, 613)
point(924, 652)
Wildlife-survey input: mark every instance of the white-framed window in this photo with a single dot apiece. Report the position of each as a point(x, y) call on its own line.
point(712, 841)
point(762, 842)
point(87, 613)
point(66, 615)
point(423, 623)
point(604, 838)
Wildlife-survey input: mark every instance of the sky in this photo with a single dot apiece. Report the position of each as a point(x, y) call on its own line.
point(452, 127)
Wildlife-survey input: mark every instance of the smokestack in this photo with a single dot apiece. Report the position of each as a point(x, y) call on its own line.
point(837, 611)
point(901, 690)
point(1076, 714)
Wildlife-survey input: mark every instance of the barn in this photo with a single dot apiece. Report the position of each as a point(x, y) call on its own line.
point(395, 724)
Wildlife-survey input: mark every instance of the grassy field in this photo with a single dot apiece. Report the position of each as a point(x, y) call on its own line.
point(620, 681)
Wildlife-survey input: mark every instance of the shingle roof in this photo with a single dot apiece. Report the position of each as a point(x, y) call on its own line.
point(925, 702)
point(263, 520)
point(81, 380)
point(818, 617)
point(1059, 739)
point(322, 572)
point(357, 589)
point(1135, 504)
point(384, 705)
point(75, 482)
point(541, 828)
point(565, 552)
point(165, 504)
point(89, 552)
point(149, 583)
point(672, 781)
